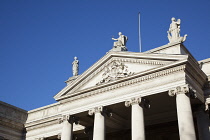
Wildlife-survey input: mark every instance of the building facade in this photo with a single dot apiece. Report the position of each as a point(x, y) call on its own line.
point(160, 94)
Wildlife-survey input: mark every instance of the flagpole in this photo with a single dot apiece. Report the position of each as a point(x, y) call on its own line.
point(139, 33)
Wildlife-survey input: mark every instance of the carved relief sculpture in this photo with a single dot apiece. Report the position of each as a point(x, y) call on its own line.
point(174, 31)
point(115, 71)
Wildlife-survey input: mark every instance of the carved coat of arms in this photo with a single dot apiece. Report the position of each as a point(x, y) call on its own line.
point(115, 71)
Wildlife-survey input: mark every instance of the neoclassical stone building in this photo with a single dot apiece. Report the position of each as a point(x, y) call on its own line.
point(160, 94)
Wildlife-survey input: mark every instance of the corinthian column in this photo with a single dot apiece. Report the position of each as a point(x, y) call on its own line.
point(99, 123)
point(137, 115)
point(184, 113)
point(67, 130)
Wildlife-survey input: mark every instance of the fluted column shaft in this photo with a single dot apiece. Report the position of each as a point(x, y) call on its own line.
point(99, 123)
point(137, 116)
point(184, 113)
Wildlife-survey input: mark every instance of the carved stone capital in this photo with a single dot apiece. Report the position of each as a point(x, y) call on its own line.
point(207, 104)
point(59, 136)
point(132, 101)
point(138, 100)
point(95, 110)
point(178, 90)
point(71, 119)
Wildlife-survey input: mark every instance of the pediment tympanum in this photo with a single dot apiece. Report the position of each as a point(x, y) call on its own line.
point(116, 66)
point(114, 71)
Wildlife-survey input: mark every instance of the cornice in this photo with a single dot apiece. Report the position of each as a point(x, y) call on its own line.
point(194, 70)
point(163, 47)
point(137, 78)
point(13, 107)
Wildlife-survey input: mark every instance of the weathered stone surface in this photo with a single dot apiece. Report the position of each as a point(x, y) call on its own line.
point(12, 120)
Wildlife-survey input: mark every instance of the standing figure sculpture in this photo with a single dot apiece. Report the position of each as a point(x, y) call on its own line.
point(121, 42)
point(174, 31)
point(75, 66)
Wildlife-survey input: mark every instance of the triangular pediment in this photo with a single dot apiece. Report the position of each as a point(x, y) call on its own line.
point(116, 66)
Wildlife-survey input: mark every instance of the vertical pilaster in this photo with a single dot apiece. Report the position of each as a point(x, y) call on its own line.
point(184, 113)
point(137, 116)
point(99, 123)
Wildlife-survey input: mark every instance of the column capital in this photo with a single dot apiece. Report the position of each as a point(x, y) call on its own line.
point(95, 110)
point(207, 104)
point(132, 101)
point(184, 89)
point(138, 100)
point(59, 136)
point(70, 118)
point(178, 90)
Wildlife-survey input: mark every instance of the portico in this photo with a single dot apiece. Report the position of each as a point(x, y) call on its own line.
point(88, 95)
point(129, 96)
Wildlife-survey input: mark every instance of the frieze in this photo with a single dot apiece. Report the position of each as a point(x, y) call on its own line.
point(41, 125)
point(129, 82)
point(128, 60)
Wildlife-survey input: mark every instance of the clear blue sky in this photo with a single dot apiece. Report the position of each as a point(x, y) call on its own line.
point(39, 38)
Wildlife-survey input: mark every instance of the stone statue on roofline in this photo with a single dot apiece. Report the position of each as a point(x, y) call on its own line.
point(174, 31)
point(120, 43)
point(75, 66)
